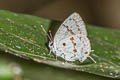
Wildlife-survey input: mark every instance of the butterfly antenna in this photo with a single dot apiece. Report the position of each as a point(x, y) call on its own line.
point(49, 36)
point(50, 33)
point(92, 59)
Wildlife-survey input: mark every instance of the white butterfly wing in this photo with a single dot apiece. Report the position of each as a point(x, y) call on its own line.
point(71, 26)
point(76, 49)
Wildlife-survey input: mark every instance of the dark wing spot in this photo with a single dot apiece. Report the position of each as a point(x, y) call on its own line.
point(71, 38)
point(64, 44)
point(74, 50)
point(68, 29)
point(78, 29)
point(77, 25)
point(70, 19)
point(65, 26)
point(74, 44)
point(86, 52)
point(71, 32)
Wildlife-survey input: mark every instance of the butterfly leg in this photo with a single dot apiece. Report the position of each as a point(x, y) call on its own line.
point(64, 57)
point(80, 60)
point(91, 57)
point(49, 52)
point(73, 56)
point(56, 57)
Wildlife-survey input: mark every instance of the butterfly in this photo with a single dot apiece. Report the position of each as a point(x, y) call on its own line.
point(70, 41)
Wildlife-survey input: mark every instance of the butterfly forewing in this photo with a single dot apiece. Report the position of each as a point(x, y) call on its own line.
point(71, 26)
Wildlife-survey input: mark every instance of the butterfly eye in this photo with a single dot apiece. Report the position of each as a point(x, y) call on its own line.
point(51, 44)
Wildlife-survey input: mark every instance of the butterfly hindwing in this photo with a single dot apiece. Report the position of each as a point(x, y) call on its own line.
point(75, 47)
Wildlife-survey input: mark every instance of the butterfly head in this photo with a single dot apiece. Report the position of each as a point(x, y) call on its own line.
point(51, 46)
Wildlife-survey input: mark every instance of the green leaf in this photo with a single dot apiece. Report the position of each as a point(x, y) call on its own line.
point(44, 72)
point(22, 36)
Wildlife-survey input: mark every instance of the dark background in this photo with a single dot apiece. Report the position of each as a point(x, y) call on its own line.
point(104, 13)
